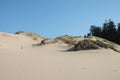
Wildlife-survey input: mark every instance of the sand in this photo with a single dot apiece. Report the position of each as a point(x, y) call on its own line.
point(22, 61)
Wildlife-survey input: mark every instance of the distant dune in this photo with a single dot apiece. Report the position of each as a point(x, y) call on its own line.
point(81, 43)
point(29, 56)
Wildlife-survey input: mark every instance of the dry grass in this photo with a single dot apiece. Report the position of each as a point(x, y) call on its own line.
point(34, 36)
point(96, 43)
point(71, 40)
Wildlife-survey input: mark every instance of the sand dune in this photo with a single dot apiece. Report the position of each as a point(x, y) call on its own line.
point(13, 40)
point(19, 60)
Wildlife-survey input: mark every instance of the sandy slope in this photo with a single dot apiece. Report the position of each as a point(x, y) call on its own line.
point(52, 62)
point(11, 40)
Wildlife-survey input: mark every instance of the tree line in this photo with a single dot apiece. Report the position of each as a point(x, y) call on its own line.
point(108, 31)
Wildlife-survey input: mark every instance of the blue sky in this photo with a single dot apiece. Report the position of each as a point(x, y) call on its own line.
point(51, 18)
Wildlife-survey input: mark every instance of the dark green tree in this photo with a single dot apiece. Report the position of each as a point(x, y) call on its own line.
point(118, 34)
point(118, 30)
point(107, 31)
point(95, 31)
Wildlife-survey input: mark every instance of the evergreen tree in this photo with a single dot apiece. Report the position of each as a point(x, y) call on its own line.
point(105, 30)
point(112, 31)
point(118, 34)
point(108, 31)
point(95, 31)
point(118, 30)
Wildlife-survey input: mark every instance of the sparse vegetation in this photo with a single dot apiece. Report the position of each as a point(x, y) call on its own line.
point(71, 40)
point(88, 44)
point(47, 41)
point(19, 32)
point(34, 36)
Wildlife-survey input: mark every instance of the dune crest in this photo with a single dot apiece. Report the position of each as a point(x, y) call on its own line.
point(34, 36)
point(79, 43)
point(9, 41)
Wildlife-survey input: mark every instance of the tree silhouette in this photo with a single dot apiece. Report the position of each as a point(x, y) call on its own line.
point(107, 31)
point(96, 31)
point(118, 34)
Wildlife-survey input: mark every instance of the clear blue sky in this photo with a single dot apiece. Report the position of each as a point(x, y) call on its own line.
point(51, 18)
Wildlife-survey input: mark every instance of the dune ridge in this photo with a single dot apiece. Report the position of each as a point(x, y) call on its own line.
point(49, 59)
